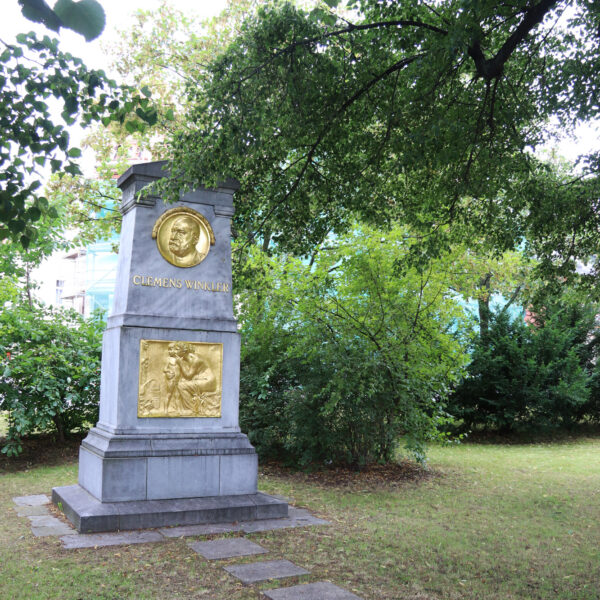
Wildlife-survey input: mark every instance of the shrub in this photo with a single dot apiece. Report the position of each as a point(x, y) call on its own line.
point(532, 376)
point(50, 370)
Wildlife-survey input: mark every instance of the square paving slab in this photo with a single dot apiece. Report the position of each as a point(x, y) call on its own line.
point(36, 500)
point(27, 511)
point(93, 540)
point(321, 590)
point(54, 530)
point(298, 517)
point(261, 571)
point(227, 548)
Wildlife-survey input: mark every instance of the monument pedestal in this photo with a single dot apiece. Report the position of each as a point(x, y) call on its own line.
point(89, 515)
point(167, 449)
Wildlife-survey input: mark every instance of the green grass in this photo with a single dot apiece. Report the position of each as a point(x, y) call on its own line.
point(492, 522)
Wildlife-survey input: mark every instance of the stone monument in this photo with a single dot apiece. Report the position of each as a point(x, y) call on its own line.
point(167, 449)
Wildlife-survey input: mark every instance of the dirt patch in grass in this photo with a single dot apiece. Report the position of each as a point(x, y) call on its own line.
point(375, 477)
point(539, 436)
point(42, 451)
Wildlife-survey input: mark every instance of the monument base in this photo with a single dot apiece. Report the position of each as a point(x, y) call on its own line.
point(90, 515)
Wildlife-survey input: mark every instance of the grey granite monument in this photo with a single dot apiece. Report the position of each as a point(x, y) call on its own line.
point(167, 449)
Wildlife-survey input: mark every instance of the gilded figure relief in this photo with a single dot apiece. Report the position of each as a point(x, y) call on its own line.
point(180, 379)
point(183, 236)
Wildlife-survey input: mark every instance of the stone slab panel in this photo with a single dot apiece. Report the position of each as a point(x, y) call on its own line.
point(268, 507)
point(57, 530)
point(97, 540)
point(227, 548)
point(89, 515)
point(298, 517)
point(263, 571)
point(36, 500)
point(321, 590)
point(113, 479)
point(26, 511)
point(182, 477)
point(210, 529)
point(45, 521)
point(238, 474)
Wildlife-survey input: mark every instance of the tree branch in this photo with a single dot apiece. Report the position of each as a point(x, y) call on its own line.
point(493, 67)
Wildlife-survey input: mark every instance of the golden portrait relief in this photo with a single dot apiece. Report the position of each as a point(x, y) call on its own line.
point(183, 236)
point(180, 379)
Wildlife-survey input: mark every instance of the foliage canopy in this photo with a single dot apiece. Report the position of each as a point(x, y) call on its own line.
point(35, 77)
point(343, 355)
point(412, 112)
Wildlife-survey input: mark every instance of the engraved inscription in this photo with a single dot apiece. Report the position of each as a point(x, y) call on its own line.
point(180, 379)
point(183, 236)
point(189, 284)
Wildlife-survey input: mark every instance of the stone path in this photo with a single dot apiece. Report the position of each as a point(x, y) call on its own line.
point(35, 508)
point(321, 590)
point(227, 548)
point(263, 571)
point(43, 523)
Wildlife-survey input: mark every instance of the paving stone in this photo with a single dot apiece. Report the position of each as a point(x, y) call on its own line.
point(56, 530)
point(46, 521)
point(261, 571)
point(36, 500)
point(311, 591)
point(27, 511)
point(298, 517)
point(92, 540)
point(227, 548)
point(209, 529)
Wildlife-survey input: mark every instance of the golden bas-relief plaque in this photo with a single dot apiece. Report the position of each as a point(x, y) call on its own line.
point(180, 379)
point(183, 236)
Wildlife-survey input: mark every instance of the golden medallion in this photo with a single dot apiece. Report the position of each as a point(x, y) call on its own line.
point(180, 379)
point(183, 236)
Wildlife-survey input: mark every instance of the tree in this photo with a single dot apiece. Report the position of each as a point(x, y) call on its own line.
point(164, 50)
point(33, 73)
point(541, 375)
point(346, 353)
point(402, 111)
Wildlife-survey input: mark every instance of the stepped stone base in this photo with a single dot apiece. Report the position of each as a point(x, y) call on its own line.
point(90, 515)
point(163, 466)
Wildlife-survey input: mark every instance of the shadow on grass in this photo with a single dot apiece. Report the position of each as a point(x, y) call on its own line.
point(42, 450)
point(541, 436)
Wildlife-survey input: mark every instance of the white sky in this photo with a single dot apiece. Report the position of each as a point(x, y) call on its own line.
point(119, 16)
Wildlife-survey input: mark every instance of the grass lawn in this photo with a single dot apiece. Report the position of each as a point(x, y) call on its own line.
point(490, 522)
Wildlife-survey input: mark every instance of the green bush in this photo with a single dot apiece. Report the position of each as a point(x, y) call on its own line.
point(541, 375)
point(50, 370)
point(345, 355)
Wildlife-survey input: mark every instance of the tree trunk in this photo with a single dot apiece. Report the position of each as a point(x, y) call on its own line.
point(483, 302)
point(60, 428)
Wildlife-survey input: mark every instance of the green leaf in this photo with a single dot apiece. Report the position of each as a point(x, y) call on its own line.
point(39, 12)
point(85, 17)
point(332, 3)
point(146, 91)
point(74, 153)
